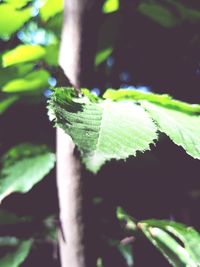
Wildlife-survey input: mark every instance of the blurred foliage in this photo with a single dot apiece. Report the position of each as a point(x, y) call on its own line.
point(23, 167)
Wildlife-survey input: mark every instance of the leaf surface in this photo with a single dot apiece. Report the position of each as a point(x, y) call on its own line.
point(110, 6)
point(12, 19)
point(23, 167)
point(23, 53)
point(6, 102)
point(162, 233)
point(16, 258)
point(102, 130)
point(51, 8)
point(183, 129)
point(160, 99)
point(33, 81)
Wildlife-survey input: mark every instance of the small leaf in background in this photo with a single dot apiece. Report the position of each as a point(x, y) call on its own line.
point(12, 19)
point(54, 24)
point(183, 129)
point(125, 249)
point(7, 218)
point(36, 80)
point(99, 262)
point(51, 56)
point(127, 252)
point(51, 8)
point(103, 130)
point(107, 37)
point(187, 13)
point(159, 13)
point(110, 6)
point(102, 55)
point(169, 14)
point(17, 71)
point(10, 241)
point(123, 216)
point(23, 167)
point(23, 53)
point(6, 102)
point(16, 258)
point(162, 234)
point(18, 3)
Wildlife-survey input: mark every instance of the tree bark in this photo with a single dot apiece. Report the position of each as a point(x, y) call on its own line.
point(78, 44)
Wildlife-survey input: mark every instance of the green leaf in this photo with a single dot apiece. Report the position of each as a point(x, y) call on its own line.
point(55, 24)
point(99, 262)
point(12, 19)
point(162, 100)
point(127, 252)
point(103, 130)
point(102, 55)
point(8, 241)
point(7, 218)
point(52, 54)
point(110, 6)
point(18, 3)
point(108, 35)
point(23, 53)
point(123, 216)
point(16, 258)
point(6, 102)
point(17, 71)
point(162, 233)
point(187, 235)
point(183, 129)
point(159, 13)
point(51, 8)
point(36, 80)
point(23, 167)
point(169, 14)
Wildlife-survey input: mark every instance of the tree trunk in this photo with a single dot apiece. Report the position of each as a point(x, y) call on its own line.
point(78, 44)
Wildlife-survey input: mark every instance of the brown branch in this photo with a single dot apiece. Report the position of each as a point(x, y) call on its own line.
point(78, 44)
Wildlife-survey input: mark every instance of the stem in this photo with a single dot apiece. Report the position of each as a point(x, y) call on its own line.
point(78, 45)
point(70, 202)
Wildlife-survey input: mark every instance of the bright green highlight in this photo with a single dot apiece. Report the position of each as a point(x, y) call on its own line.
point(102, 55)
point(23, 53)
point(23, 167)
point(110, 6)
point(162, 100)
point(12, 19)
